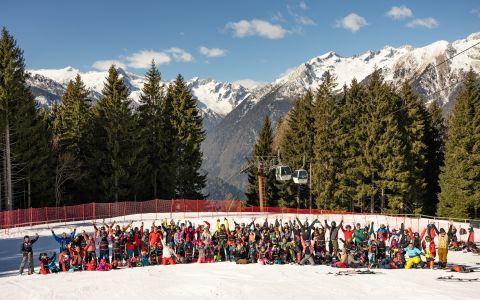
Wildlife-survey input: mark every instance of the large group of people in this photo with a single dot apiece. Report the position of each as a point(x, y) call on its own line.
point(278, 242)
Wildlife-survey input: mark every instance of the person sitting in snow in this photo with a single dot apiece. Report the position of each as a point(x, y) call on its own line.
point(47, 264)
point(413, 254)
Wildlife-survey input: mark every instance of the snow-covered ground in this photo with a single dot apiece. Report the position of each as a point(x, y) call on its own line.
point(226, 280)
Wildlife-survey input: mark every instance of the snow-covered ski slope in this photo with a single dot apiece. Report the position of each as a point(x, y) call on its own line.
point(227, 280)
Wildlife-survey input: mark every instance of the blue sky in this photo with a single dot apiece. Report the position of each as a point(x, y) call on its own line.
point(224, 40)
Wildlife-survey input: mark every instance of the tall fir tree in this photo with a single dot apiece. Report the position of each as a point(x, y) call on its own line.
point(413, 118)
point(154, 118)
point(262, 152)
point(461, 173)
point(24, 141)
point(31, 151)
point(382, 163)
point(435, 141)
point(351, 143)
point(71, 137)
point(297, 149)
point(326, 152)
point(114, 145)
point(188, 128)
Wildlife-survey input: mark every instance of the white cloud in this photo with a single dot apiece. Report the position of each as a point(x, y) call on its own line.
point(303, 5)
point(429, 23)
point(212, 52)
point(255, 27)
point(249, 83)
point(352, 22)
point(180, 54)
point(303, 20)
point(299, 19)
point(400, 12)
point(104, 65)
point(142, 59)
point(278, 17)
point(475, 12)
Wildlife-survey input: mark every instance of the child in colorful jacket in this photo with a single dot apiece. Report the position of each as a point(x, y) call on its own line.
point(428, 246)
point(443, 242)
point(413, 256)
point(47, 264)
point(103, 265)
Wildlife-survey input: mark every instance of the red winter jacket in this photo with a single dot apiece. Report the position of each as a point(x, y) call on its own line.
point(431, 248)
point(347, 234)
point(154, 238)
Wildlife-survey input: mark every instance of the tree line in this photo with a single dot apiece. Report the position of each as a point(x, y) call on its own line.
point(79, 151)
point(376, 147)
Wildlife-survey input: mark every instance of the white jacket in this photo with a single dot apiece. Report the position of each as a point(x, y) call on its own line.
point(166, 252)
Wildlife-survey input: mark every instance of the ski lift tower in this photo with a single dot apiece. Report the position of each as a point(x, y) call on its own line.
point(261, 165)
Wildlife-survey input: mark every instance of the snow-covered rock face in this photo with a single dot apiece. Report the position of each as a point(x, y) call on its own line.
point(435, 62)
point(219, 97)
point(216, 99)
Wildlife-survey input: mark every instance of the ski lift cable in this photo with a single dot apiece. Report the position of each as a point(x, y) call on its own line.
point(444, 61)
point(429, 96)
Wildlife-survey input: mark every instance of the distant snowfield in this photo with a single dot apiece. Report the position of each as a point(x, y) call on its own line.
point(225, 280)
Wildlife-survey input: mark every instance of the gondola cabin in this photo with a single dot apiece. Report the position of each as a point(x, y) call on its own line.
point(300, 177)
point(283, 173)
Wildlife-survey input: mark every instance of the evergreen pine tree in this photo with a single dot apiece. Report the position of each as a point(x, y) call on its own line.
point(296, 146)
point(382, 165)
point(31, 151)
point(414, 116)
point(114, 146)
point(351, 143)
point(326, 152)
point(188, 127)
point(435, 141)
point(71, 124)
point(262, 151)
point(24, 142)
point(460, 175)
point(152, 135)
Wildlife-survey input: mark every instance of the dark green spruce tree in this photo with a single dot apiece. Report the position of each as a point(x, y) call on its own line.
point(114, 146)
point(385, 176)
point(296, 145)
point(24, 141)
point(262, 151)
point(157, 136)
point(189, 133)
point(32, 152)
point(351, 142)
point(413, 120)
point(459, 178)
point(435, 141)
point(326, 161)
point(71, 137)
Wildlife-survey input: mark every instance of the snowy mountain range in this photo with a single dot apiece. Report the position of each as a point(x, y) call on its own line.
point(233, 113)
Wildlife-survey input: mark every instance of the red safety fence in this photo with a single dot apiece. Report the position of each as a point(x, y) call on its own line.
point(93, 211)
point(289, 210)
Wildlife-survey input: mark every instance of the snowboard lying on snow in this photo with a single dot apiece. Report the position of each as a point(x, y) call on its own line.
point(352, 272)
point(452, 278)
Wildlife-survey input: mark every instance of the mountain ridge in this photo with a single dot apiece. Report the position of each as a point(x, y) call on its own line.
point(233, 113)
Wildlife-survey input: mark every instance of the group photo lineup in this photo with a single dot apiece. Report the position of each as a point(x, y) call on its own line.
point(290, 149)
